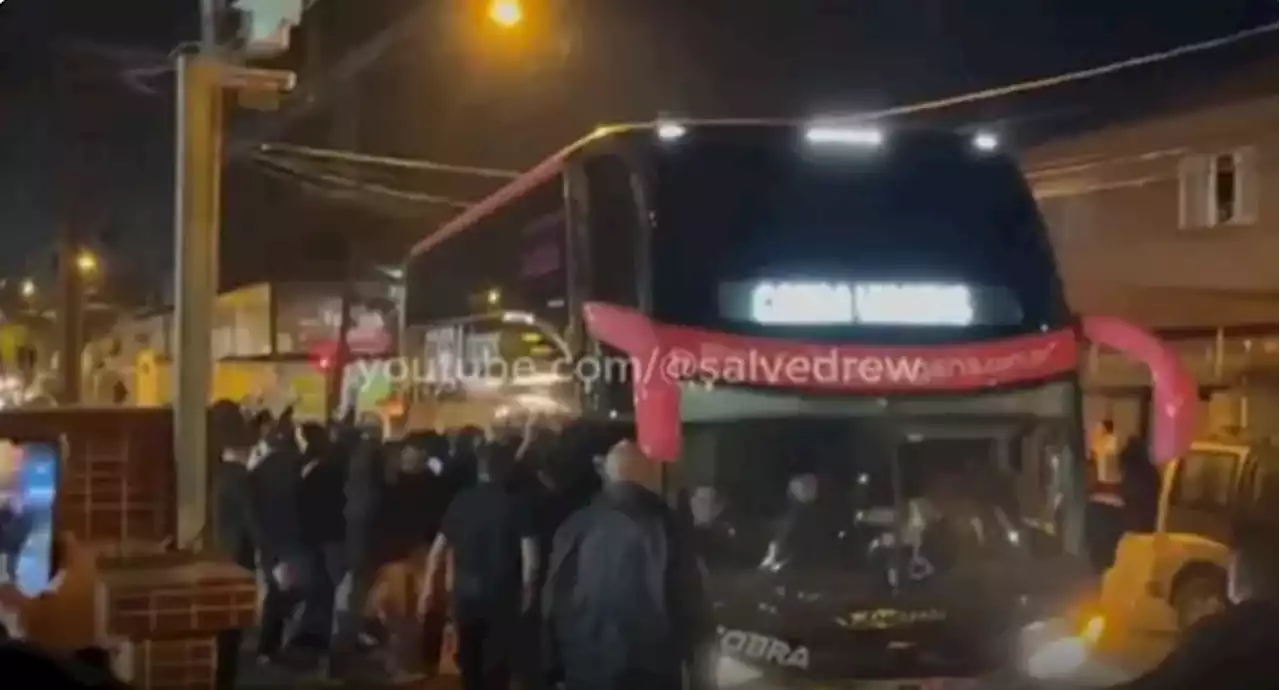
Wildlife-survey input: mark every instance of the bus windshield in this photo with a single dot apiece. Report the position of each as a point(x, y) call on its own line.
point(921, 207)
point(901, 490)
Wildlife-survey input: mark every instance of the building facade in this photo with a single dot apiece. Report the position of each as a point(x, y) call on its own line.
point(1170, 221)
point(267, 338)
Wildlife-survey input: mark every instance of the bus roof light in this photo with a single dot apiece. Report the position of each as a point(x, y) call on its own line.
point(844, 136)
point(986, 141)
point(670, 131)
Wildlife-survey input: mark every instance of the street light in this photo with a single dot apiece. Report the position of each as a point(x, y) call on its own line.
point(28, 288)
point(506, 13)
point(86, 262)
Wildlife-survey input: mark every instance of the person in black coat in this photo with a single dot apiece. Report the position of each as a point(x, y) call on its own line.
point(489, 531)
point(275, 470)
point(321, 499)
point(409, 515)
point(1140, 485)
point(624, 606)
point(464, 446)
point(365, 483)
point(236, 528)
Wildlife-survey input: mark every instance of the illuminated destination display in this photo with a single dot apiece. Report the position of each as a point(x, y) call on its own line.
point(802, 303)
point(823, 303)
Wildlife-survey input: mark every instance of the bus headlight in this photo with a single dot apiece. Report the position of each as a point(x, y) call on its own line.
point(1057, 650)
point(1061, 658)
point(731, 673)
point(1093, 629)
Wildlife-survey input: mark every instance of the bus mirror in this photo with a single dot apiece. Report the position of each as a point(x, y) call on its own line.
point(655, 397)
point(1174, 390)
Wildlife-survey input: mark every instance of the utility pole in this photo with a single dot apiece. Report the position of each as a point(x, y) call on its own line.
point(70, 313)
point(210, 11)
point(346, 134)
point(196, 223)
point(73, 145)
point(202, 79)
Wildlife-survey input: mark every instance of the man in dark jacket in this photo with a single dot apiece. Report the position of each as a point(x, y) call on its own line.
point(236, 532)
point(320, 502)
point(490, 531)
point(624, 606)
point(1140, 485)
point(365, 483)
point(274, 468)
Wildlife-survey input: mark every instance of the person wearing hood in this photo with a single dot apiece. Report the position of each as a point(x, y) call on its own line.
point(624, 607)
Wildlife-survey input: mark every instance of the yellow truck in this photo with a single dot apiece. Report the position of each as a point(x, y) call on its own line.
point(1165, 581)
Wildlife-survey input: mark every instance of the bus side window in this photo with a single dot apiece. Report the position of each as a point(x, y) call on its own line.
point(613, 237)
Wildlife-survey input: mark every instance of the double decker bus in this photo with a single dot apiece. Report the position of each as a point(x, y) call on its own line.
point(852, 346)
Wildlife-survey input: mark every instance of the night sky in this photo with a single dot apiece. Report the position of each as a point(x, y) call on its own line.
point(81, 146)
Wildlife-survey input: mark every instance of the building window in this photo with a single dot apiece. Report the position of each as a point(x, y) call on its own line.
point(1225, 190)
point(1218, 189)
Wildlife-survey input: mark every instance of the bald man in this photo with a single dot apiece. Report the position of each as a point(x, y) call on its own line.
point(623, 606)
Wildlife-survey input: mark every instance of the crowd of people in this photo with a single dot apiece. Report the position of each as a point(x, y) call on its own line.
point(551, 552)
point(365, 542)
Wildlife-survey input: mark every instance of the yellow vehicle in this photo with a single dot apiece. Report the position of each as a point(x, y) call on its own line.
point(1166, 581)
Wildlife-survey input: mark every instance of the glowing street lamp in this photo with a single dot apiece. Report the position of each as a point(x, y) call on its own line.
point(86, 262)
point(506, 13)
point(28, 288)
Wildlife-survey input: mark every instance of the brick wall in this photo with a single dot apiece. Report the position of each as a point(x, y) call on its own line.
point(117, 476)
point(181, 664)
point(166, 612)
point(160, 611)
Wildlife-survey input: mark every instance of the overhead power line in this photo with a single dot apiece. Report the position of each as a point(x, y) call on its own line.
point(366, 58)
point(313, 93)
point(357, 185)
point(377, 204)
point(403, 163)
point(1006, 90)
point(1035, 84)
